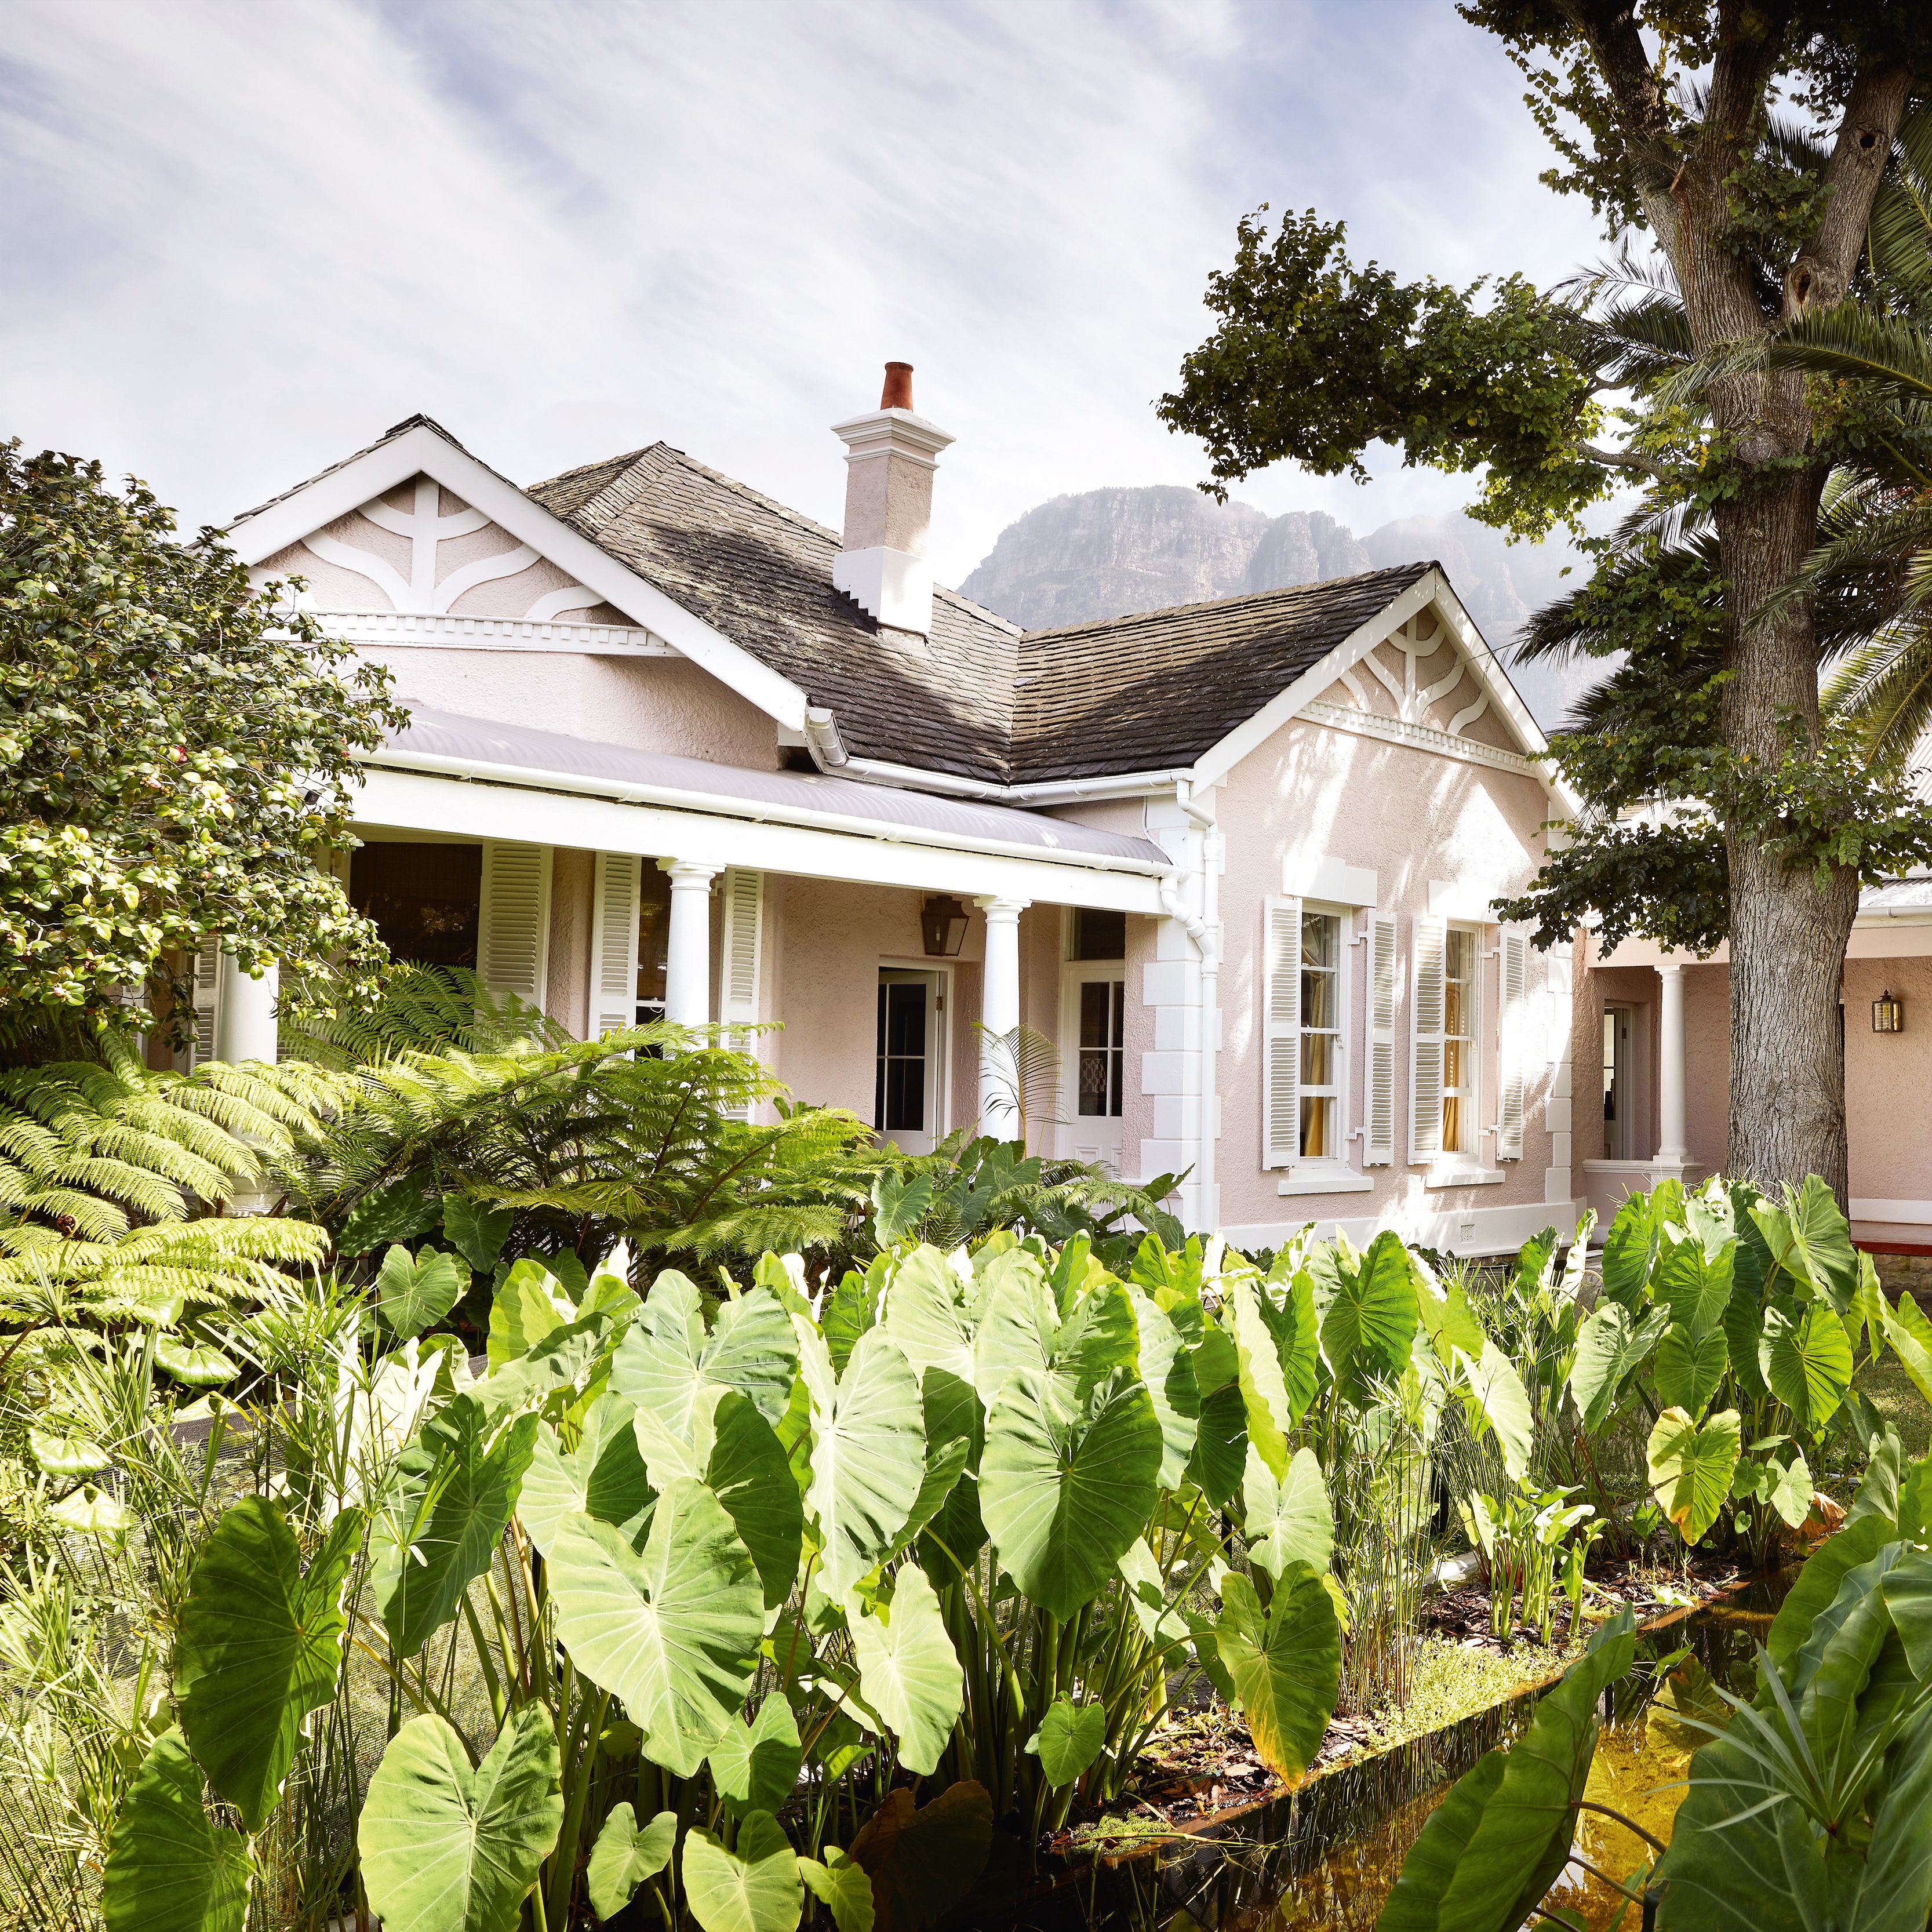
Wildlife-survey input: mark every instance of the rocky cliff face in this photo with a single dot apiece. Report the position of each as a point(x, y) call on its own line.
point(1108, 553)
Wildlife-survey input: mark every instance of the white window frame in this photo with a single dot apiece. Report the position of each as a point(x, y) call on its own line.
point(1470, 1093)
point(1332, 1173)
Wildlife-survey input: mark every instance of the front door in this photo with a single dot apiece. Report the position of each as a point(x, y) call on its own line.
point(1093, 1022)
point(909, 1097)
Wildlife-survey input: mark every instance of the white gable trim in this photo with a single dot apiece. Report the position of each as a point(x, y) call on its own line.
point(422, 451)
point(1302, 698)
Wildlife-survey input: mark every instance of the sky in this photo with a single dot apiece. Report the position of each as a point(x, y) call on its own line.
point(241, 241)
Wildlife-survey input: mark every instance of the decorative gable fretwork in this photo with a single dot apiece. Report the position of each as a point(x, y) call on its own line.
point(416, 565)
point(1417, 687)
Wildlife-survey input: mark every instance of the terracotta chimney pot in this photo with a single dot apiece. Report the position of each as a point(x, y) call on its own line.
point(898, 392)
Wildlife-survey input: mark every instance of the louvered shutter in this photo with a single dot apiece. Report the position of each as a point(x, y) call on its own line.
point(1281, 1033)
point(738, 976)
point(613, 939)
point(1378, 1080)
point(207, 998)
point(1513, 1023)
point(1425, 1038)
point(513, 922)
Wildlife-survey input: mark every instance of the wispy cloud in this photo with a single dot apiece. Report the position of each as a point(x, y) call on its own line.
point(243, 241)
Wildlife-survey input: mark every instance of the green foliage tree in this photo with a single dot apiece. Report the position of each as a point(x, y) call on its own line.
point(175, 754)
point(1665, 115)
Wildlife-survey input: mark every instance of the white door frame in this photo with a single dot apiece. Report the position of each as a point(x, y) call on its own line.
point(1089, 1130)
point(938, 973)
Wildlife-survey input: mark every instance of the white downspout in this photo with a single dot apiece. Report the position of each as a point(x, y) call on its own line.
point(1205, 930)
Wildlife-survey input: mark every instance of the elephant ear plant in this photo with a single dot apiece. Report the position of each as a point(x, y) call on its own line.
point(690, 1601)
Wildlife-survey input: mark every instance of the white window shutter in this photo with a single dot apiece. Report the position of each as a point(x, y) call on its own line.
point(1281, 1033)
point(513, 922)
point(742, 941)
point(1379, 1079)
point(1512, 1025)
point(207, 974)
point(613, 939)
point(1425, 1038)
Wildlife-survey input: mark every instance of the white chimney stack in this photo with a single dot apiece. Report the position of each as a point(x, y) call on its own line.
point(892, 455)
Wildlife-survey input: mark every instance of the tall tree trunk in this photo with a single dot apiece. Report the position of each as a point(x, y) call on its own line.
point(1788, 932)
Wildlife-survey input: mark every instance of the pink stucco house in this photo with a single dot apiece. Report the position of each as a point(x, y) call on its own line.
point(677, 749)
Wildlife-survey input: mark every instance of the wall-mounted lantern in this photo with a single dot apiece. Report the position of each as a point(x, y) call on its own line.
point(1887, 1014)
point(943, 922)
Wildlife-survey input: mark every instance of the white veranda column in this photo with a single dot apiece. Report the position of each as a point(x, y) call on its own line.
point(688, 952)
point(245, 1026)
point(999, 1011)
point(1671, 1150)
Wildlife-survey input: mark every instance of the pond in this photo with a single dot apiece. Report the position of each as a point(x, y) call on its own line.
point(1326, 1855)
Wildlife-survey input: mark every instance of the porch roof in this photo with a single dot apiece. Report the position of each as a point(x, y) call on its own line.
point(449, 743)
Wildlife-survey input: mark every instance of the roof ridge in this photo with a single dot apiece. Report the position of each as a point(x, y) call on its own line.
point(758, 497)
point(1222, 603)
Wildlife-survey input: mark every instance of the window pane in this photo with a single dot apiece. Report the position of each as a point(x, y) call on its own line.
point(1452, 1062)
point(1452, 1125)
point(905, 1021)
point(1318, 938)
point(423, 897)
point(1094, 1070)
point(1317, 1060)
point(1100, 935)
point(905, 1096)
point(653, 932)
point(1094, 1028)
point(1318, 1128)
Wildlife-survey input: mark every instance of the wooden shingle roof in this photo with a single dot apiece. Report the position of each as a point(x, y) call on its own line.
point(978, 698)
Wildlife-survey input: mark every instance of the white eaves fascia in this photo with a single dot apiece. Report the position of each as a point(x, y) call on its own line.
point(420, 450)
point(1047, 791)
point(714, 804)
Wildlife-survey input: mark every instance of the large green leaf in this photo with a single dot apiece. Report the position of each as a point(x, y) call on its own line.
point(1688, 1368)
point(1689, 1468)
point(1069, 1738)
point(1285, 1665)
point(750, 1474)
point(955, 1432)
point(1221, 1440)
point(1445, 1315)
point(529, 1303)
point(259, 1647)
point(1743, 1329)
point(673, 1633)
point(1021, 1326)
point(66, 1452)
point(1267, 1401)
point(477, 1233)
point(852, 1308)
point(1291, 1521)
point(415, 1291)
point(1630, 1251)
point(868, 1454)
point(1167, 1367)
point(625, 1856)
point(1694, 1284)
point(842, 1886)
point(1495, 1845)
point(170, 1868)
point(1811, 1240)
point(1805, 1360)
point(446, 1848)
point(1609, 1345)
point(437, 1529)
point(1495, 1395)
point(1368, 1316)
point(604, 1476)
point(909, 1672)
point(1063, 1498)
point(755, 1766)
point(1909, 1333)
point(924, 1316)
point(667, 1360)
point(753, 1886)
point(1817, 1585)
point(200, 1365)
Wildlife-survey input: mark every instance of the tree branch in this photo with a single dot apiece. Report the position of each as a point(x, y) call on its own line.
point(1822, 271)
point(1609, 29)
point(1622, 459)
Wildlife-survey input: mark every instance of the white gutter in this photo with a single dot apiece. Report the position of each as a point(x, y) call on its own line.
point(1051, 791)
point(439, 765)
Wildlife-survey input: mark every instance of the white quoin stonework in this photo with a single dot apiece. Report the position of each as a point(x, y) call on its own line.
point(1178, 984)
point(1558, 1177)
point(892, 455)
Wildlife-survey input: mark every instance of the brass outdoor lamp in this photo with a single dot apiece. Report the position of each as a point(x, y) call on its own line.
point(1887, 1013)
point(943, 922)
